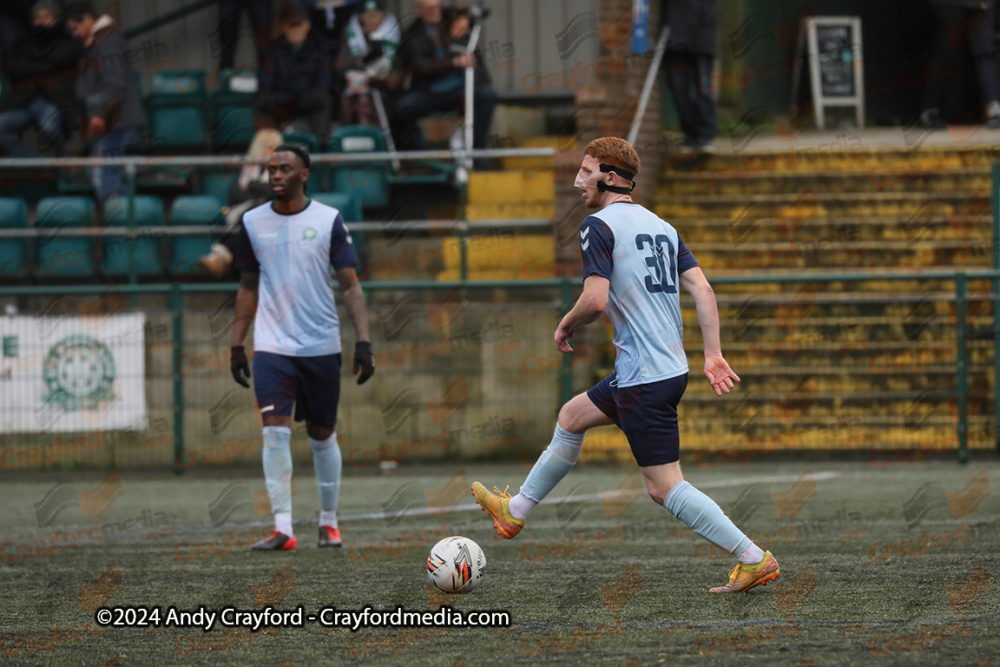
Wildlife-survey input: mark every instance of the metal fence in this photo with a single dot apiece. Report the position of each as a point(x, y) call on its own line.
point(461, 375)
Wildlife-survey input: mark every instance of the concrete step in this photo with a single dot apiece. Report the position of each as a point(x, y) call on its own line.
point(792, 210)
point(500, 252)
point(833, 159)
point(529, 186)
point(904, 179)
point(759, 224)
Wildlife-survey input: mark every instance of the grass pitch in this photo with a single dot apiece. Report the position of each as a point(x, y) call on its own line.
point(880, 565)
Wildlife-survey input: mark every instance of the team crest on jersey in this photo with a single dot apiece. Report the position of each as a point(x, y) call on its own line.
point(308, 233)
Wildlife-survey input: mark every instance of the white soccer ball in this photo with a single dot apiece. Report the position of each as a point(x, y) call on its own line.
point(456, 565)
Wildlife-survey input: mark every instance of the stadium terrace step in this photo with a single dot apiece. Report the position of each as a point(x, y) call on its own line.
point(526, 186)
point(761, 225)
point(794, 207)
point(801, 160)
point(560, 143)
point(477, 212)
point(507, 251)
point(877, 179)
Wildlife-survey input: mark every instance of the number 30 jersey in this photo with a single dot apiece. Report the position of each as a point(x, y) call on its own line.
point(642, 256)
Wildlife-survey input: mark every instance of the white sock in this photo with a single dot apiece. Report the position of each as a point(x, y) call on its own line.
point(521, 505)
point(751, 555)
point(283, 523)
point(328, 519)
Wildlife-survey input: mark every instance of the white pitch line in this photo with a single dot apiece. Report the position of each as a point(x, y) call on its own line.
point(422, 511)
point(465, 507)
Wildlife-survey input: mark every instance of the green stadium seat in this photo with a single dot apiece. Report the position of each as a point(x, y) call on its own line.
point(148, 253)
point(13, 256)
point(369, 182)
point(65, 257)
point(217, 184)
point(178, 128)
point(232, 127)
point(232, 110)
point(185, 251)
point(30, 184)
point(178, 104)
point(177, 87)
point(345, 202)
point(350, 208)
point(306, 139)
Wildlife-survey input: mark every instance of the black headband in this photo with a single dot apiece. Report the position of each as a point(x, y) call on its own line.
point(604, 187)
point(605, 168)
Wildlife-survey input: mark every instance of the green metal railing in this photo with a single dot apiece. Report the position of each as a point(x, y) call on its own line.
point(566, 288)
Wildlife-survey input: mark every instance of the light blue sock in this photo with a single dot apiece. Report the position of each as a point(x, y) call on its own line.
point(557, 460)
point(706, 518)
point(328, 463)
point(278, 468)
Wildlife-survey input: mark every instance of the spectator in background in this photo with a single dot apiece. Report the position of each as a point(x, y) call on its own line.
point(688, 62)
point(42, 71)
point(294, 75)
point(114, 115)
point(250, 190)
point(432, 57)
point(961, 26)
point(372, 41)
point(15, 16)
point(226, 37)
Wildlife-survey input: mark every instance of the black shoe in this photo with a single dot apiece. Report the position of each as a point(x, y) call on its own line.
point(931, 118)
point(277, 542)
point(329, 537)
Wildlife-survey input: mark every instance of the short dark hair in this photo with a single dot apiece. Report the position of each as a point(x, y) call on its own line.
point(300, 151)
point(75, 11)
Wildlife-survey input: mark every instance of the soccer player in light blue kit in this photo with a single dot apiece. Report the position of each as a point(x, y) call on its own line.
point(633, 265)
point(285, 251)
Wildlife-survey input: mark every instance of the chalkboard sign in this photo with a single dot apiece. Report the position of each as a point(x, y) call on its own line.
point(836, 59)
point(835, 64)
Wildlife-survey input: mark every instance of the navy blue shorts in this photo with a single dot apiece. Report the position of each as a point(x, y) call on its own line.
point(311, 383)
point(647, 413)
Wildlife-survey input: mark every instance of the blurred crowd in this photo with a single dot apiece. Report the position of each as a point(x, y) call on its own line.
point(66, 70)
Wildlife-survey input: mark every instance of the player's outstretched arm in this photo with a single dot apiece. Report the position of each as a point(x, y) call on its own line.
point(588, 308)
point(720, 375)
point(354, 303)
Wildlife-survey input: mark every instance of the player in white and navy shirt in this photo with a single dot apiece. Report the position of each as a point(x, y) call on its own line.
point(285, 253)
point(634, 264)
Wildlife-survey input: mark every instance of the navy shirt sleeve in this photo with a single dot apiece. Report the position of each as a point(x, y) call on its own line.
point(685, 260)
point(342, 252)
point(244, 258)
point(597, 245)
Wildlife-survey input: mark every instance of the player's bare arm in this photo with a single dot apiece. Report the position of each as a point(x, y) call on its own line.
point(588, 308)
point(720, 375)
point(246, 308)
point(354, 302)
point(363, 363)
point(246, 305)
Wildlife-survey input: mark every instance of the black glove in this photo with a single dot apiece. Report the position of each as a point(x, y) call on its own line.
point(364, 362)
point(239, 366)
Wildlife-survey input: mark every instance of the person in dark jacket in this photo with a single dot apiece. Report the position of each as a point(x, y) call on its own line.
point(15, 16)
point(42, 69)
point(961, 26)
point(688, 62)
point(295, 75)
point(114, 113)
point(432, 58)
